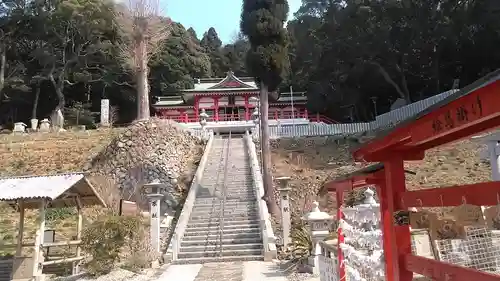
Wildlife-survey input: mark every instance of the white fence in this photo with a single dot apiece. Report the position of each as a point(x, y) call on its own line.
point(302, 128)
point(328, 263)
point(402, 113)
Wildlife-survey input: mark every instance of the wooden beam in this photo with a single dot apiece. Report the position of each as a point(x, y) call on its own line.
point(38, 253)
point(79, 227)
point(20, 233)
point(441, 271)
point(480, 194)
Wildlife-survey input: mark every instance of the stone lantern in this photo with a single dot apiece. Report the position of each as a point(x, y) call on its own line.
point(203, 118)
point(319, 228)
point(256, 121)
point(154, 194)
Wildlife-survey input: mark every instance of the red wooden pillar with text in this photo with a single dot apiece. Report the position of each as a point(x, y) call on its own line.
point(469, 112)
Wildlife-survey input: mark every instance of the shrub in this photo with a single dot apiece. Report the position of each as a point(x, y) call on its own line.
point(56, 214)
point(106, 238)
point(301, 246)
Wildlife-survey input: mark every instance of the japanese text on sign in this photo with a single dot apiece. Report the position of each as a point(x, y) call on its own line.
point(462, 114)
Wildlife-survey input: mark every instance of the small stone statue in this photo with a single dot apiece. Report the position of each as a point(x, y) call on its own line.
point(19, 127)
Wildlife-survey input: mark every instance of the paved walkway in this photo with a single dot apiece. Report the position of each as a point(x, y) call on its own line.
point(237, 271)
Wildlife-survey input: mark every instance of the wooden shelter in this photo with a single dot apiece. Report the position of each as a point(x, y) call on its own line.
point(42, 192)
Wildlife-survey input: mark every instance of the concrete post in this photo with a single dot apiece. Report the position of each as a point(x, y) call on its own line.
point(153, 193)
point(319, 227)
point(105, 113)
point(284, 191)
point(494, 153)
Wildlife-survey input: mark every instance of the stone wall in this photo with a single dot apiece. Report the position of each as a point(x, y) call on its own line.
point(147, 151)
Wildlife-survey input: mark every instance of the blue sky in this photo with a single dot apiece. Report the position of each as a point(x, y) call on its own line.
point(223, 15)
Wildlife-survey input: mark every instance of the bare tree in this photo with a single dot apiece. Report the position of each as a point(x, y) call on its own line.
point(143, 29)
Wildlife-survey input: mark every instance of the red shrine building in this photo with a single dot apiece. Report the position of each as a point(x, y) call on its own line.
point(230, 99)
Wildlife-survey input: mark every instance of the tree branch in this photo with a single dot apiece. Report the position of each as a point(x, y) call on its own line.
point(389, 80)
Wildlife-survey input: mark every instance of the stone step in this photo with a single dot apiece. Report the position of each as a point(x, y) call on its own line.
point(218, 259)
point(228, 217)
point(227, 212)
point(225, 226)
point(206, 203)
point(215, 223)
point(218, 209)
point(216, 237)
point(225, 241)
point(217, 253)
point(225, 247)
point(219, 194)
point(232, 218)
point(216, 231)
point(229, 199)
point(216, 205)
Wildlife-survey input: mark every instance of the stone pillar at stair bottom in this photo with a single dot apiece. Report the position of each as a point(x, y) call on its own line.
point(284, 191)
point(319, 226)
point(153, 192)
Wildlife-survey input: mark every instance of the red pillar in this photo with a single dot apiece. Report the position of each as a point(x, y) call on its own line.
point(246, 108)
point(396, 239)
point(196, 108)
point(216, 105)
point(339, 194)
point(306, 115)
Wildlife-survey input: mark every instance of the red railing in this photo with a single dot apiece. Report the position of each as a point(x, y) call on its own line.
point(273, 115)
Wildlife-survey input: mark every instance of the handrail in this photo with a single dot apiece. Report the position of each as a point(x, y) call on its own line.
point(269, 240)
point(182, 222)
point(45, 244)
point(224, 188)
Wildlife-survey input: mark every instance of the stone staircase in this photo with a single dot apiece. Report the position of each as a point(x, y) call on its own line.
point(218, 229)
point(5, 269)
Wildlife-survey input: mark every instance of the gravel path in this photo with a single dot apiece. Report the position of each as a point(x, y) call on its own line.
point(235, 271)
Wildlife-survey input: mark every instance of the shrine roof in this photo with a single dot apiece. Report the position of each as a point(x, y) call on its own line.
point(380, 134)
point(228, 83)
point(57, 189)
point(170, 101)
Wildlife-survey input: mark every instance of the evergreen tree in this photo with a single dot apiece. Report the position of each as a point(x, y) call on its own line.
point(263, 23)
point(212, 45)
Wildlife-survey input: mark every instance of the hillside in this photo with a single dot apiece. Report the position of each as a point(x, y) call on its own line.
point(121, 159)
point(311, 162)
point(50, 153)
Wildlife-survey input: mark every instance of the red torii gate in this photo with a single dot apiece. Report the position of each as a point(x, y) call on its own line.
point(470, 111)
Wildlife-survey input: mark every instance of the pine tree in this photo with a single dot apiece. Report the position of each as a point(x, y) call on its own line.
point(262, 21)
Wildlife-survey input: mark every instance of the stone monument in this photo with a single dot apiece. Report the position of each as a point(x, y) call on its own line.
point(57, 120)
point(105, 113)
